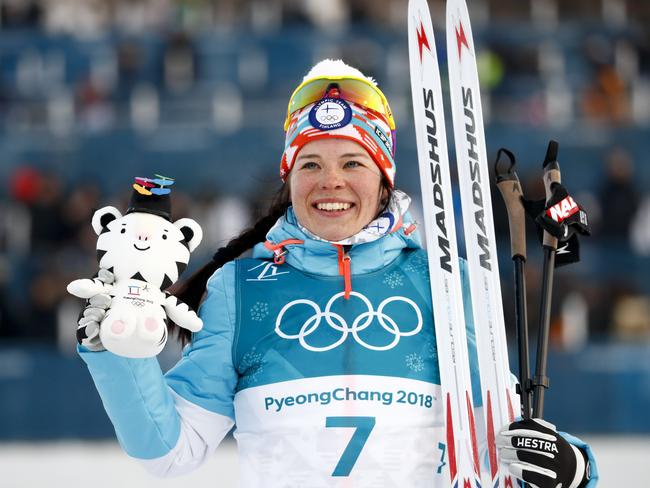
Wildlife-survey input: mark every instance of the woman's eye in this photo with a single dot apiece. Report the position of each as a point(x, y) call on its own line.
point(353, 164)
point(309, 165)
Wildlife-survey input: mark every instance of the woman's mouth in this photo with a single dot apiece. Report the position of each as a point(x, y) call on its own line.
point(333, 207)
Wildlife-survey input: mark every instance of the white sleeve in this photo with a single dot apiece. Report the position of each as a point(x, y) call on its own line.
point(201, 432)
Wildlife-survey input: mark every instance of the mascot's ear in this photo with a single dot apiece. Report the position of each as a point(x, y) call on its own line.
point(192, 232)
point(103, 217)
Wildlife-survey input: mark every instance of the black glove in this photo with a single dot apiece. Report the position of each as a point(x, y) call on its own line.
point(562, 218)
point(534, 452)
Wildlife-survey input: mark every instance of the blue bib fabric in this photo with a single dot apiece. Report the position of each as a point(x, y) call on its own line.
point(292, 324)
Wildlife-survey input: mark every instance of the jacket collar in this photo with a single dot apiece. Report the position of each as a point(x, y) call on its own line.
point(322, 257)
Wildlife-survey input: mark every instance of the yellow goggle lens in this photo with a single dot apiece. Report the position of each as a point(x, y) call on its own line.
point(355, 90)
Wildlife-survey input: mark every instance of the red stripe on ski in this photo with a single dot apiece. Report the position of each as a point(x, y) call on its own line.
point(472, 432)
point(511, 417)
point(511, 413)
point(451, 445)
point(492, 449)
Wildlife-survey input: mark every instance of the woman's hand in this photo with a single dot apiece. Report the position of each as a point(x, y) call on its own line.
point(535, 452)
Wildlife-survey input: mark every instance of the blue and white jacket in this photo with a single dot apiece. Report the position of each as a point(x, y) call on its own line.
point(327, 385)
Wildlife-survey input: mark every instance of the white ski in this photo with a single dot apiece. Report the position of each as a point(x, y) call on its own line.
point(478, 224)
point(444, 272)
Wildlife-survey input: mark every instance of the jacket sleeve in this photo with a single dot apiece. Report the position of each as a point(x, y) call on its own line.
point(592, 469)
point(173, 422)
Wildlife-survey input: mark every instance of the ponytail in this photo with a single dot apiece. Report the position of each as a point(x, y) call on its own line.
point(192, 290)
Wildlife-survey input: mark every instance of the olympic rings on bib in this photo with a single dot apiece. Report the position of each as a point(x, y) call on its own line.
point(338, 323)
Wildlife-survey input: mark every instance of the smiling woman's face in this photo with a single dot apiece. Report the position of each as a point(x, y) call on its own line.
point(335, 187)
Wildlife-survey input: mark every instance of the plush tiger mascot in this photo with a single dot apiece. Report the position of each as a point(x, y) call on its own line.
point(140, 254)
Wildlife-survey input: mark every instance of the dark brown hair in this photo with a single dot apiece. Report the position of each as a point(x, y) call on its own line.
point(191, 291)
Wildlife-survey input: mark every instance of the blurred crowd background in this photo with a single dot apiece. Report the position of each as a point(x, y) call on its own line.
point(95, 92)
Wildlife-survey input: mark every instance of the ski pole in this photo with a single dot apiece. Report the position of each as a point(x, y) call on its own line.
point(508, 184)
point(552, 177)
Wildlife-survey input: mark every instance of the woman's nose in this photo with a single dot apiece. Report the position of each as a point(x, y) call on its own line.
point(332, 178)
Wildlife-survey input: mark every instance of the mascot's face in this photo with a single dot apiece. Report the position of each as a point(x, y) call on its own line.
point(144, 246)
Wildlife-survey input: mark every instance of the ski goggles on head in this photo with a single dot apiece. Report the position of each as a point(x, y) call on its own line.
point(356, 90)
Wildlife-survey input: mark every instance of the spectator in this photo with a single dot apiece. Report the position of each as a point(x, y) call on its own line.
point(179, 63)
point(618, 197)
point(20, 14)
point(606, 99)
point(641, 228)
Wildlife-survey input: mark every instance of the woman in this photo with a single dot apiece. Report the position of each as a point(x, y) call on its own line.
point(321, 347)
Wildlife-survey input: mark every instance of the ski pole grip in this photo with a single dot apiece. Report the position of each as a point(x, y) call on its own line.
point(510, 188)
point(552, 177)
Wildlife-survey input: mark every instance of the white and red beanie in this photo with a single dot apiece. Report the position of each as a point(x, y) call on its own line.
point(335, 117)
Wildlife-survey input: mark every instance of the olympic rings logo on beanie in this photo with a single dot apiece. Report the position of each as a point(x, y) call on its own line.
point(328, 118)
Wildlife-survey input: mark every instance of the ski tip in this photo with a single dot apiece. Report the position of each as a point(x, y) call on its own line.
point(551, 153)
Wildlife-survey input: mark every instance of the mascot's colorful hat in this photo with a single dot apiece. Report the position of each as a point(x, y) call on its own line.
point(151, 195)
point(338, 101)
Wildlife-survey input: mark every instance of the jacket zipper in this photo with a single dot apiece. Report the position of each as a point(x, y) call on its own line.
point(344, 268)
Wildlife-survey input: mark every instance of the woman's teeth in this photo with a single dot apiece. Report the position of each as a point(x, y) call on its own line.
point(331, 207)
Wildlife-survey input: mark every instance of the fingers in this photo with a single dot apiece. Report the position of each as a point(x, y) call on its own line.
point(527, 466)
point(88, 334)
point(95, 314)
point(92, 330)
point(105, 276)
point(102, 301)
point(534, 475)
point(93, 318)
point(545, 423)
point(534, 424)
point(530, 449)
point(535, 434)
point(89, 322)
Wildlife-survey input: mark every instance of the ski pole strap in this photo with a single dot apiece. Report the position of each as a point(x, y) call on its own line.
point(510, 188)
point(526, 387)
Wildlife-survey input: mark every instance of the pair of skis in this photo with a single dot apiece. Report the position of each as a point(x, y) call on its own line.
point(462, 432)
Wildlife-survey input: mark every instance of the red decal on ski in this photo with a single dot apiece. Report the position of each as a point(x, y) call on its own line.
point(451, 445)
point(492, 448)
point(461, 39)
point(511, 413)
point(422, 40)
point(472, 432)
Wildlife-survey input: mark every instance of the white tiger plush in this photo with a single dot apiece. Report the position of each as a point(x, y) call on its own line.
point(146, 253)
